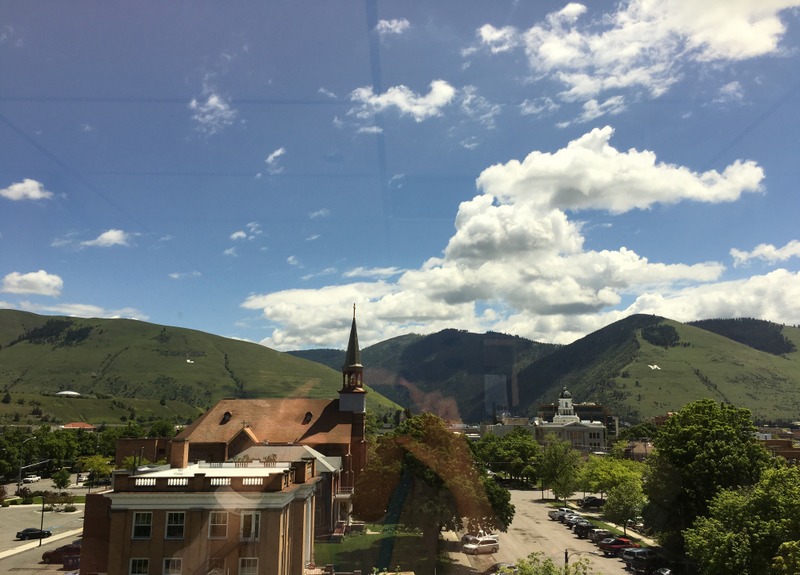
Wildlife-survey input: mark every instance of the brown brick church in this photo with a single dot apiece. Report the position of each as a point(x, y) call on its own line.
point(247, 488)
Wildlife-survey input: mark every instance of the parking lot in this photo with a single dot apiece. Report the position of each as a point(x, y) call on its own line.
point(533, 531)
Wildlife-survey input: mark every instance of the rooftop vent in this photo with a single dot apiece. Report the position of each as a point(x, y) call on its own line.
point(307, 418)
point(226, 417)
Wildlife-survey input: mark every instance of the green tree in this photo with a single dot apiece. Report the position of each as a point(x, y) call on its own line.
point(537, 564)
point(560, 467)
point(162, 428)
point(700, 450)
point(747, 526)
point(425, 477)
point(61, 479)
point(517, 454)
point(96, 465)
point(601, 473)
point(787, 561)
point(107, 439)
point(625, 501)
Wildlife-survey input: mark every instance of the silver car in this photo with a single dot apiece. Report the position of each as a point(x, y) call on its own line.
point(482, 545)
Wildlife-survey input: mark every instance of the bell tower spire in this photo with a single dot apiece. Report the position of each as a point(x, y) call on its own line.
point(351, 395)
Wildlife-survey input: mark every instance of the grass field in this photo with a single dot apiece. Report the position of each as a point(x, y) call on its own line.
point(375, 547)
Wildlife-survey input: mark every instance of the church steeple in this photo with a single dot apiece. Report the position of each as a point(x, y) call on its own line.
point(351, 395)
point(352, 358)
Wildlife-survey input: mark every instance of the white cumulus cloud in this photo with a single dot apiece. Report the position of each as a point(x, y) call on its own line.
point(766, 252)
point(517, 261)
point(39, 283)
point(27, 189)
point(109, 239)
point(392, 27)
point(402, 98)
point(641, 44)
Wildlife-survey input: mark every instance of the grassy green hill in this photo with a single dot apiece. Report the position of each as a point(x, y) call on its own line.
point(130, 369)
point(612, 366)
point(142, 365)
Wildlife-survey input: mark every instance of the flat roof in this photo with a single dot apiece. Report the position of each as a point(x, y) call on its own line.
point(227, 469)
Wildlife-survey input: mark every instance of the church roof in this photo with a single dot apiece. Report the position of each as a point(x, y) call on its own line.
point(293, 420)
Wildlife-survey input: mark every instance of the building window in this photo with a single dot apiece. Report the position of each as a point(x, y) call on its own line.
point(251, 526)
point(248, 565)
point(175, 521)
point(216, 566)
point(172, 565)
point(139, 567)
point(218, 525)
point(142, 524)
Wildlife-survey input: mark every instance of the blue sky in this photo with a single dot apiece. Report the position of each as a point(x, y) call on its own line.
point(535, 168)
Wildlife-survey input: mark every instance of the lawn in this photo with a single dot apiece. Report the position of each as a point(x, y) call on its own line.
point(377, 546)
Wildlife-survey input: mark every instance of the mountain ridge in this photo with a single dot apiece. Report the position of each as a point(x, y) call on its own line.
point(638, 367)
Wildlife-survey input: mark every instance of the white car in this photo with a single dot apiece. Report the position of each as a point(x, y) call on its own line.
point(482, 545)
point(31, 479)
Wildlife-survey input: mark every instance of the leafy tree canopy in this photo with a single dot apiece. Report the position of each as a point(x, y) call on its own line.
point(61, 479)
point(560, 466)
point(537, 564)
point(516, 454)
point(700, 450)
point(748, 529)
point(625, 501)
point(601, 473)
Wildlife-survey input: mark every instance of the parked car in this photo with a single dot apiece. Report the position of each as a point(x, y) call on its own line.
point(646, 560)
point(33, 533)
point(597, 535)
point(591, 502)
point(502, 568)
point(57, 555)
point(31, 478)
point(482, 545)
point(637, 524)
point(582, 528)
point(555, 514)
point(563, 517)
point(571, 520)
point(663, 571)
point(613, 546)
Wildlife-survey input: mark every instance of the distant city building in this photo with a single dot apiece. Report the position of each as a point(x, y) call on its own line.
point(583, 434)
point(565, 423)
point(82, 425)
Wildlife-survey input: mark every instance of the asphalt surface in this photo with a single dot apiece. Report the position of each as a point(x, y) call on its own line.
point(532, 531)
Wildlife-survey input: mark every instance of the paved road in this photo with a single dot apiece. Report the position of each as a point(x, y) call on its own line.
point(531, 531)
point(25, 556)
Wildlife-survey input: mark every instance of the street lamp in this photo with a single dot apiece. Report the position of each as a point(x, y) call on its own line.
point(19, 479)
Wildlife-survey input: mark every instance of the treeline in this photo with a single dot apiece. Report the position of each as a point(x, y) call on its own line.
point(759, 334)
point(57, 332)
